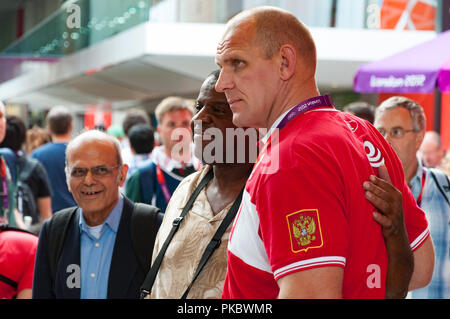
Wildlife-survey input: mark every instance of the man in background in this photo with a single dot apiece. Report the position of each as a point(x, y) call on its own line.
point(155, 182)
point(402, 122)
point(304, 229)
point(53, 156)
point(101, 242)
point(431, 150)
point(133, 117)
point(361, 109)
point(142, 140)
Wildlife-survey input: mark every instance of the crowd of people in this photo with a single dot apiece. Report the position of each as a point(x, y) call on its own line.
point(352, 204)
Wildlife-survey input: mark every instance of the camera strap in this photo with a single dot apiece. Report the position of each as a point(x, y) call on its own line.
point(216, 240)
point(151, 275)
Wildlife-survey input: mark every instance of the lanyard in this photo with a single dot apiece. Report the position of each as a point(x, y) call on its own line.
point(162, 183)
point(4, 190)
point(419, 199)
point(303, 107)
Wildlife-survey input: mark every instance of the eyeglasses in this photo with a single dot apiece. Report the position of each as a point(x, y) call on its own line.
point(395, 132)
point(98, 171)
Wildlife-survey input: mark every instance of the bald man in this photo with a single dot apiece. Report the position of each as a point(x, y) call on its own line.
point(431, 150)
point(305, 229)
point(99, 258)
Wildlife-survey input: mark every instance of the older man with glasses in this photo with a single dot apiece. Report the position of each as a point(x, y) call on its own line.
point(101, 242)
point(402, 122)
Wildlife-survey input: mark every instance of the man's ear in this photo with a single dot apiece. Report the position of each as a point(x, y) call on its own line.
point(288, 61)
point(67, 180)
point(122, 175)
point(419, 139)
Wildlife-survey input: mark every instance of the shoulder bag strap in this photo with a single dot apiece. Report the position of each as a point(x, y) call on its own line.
point(145, 223)
point(58, 226)
point(151, 275)
point(9, 282)
point(216, 240)
point(439, 186)
point(6, 227)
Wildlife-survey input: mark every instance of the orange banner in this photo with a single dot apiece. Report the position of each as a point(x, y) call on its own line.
point(407, 15)
point(97, 116)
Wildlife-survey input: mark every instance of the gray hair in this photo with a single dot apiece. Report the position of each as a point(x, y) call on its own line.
point(418, 117)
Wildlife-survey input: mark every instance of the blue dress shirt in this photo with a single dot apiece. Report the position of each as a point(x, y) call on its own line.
point(96, 253)
point(437, 212)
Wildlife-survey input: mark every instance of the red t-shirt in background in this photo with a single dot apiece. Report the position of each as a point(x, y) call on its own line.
point(17, 254)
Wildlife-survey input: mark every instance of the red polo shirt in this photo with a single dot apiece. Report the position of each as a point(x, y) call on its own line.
point(304, 207)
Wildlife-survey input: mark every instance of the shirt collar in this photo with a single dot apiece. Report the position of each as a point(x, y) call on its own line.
point(416, 181)
point(160, 157)
point(141, 157)
point(275, 125)
point(113, 219)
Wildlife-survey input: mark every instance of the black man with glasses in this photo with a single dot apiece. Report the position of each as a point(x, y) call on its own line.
point(98, 258)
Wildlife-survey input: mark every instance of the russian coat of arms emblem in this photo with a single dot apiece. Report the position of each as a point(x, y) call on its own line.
point(304, 230)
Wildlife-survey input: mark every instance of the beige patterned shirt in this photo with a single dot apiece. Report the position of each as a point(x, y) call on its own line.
point(187, 246)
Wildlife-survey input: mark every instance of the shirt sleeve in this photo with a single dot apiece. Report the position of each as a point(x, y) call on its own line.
point(304, 224)
point(40, 181)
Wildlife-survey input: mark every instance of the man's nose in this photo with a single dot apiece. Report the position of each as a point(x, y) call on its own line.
point(199, 123)
point(201, 116)
point(224, 82)
point(89, 179)
point(388, 137)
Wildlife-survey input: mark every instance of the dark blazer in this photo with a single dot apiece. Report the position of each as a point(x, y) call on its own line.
point(125, 276)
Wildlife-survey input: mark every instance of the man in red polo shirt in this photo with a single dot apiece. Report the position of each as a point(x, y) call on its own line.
point(305, 229)
point(321, 218)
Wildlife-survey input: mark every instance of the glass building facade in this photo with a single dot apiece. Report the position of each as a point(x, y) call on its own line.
point(82, 23)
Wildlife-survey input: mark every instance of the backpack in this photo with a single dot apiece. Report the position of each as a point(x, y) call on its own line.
point(6, 227)
point(145, 222)
point(26, 202)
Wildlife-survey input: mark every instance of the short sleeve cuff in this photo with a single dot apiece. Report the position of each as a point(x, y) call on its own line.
point(420, 240)
point(310, 263)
